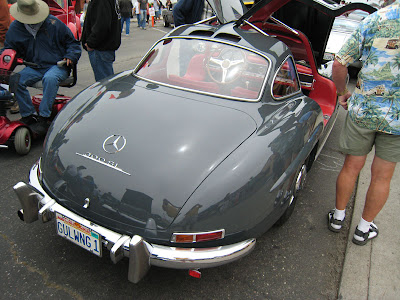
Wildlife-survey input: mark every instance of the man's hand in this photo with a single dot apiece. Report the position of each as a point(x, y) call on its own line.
point(88, 48)
point(69, 62)
point(343, 100)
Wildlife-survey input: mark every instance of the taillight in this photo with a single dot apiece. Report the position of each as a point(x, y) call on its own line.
point(196, 237)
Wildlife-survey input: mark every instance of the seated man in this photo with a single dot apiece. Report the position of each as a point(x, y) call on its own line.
point(42, 39)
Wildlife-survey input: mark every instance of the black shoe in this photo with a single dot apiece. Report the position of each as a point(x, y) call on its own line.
point(29, 120)
point(15, 108)
point(361, 238)
point(41, 126)
point(334, 224)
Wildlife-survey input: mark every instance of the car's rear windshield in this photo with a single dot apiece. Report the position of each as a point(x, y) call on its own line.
point(207, 67)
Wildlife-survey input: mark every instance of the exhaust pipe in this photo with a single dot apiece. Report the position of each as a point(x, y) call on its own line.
point(21, 214)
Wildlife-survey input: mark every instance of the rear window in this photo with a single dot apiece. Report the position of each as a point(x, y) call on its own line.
point(207, 67)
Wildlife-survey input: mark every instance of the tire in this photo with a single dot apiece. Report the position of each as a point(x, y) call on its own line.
point(298, 185)
point(22, 141)
point(166, 23)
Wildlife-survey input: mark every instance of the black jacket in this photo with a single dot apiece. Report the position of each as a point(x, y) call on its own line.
point(102, 27)
point(126, 8)
point(187, 11)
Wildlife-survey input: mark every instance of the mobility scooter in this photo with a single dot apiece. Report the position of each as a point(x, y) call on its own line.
point(16, 134)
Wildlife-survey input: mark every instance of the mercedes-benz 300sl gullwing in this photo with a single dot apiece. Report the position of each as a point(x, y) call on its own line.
point(183, 161)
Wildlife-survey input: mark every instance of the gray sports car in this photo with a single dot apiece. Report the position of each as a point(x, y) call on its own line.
point(184, 161)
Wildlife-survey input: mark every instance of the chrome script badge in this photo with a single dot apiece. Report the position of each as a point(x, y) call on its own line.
point(102, 161)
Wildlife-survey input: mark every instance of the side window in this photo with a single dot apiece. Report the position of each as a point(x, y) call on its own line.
point(286, 80)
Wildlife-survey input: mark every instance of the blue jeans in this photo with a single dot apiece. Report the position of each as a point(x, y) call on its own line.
point(138, 19)
point(102, 63)
point(143, 16)
point(51, 78)
point(126, 20)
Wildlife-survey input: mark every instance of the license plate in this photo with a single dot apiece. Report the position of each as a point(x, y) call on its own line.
point(78, 234)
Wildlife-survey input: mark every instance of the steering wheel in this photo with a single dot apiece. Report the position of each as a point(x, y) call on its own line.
point(225, 66)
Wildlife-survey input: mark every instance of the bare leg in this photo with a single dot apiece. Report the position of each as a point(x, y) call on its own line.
point(378, 191)
point(347, 178)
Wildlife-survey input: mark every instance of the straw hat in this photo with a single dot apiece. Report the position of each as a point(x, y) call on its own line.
point(29, 11)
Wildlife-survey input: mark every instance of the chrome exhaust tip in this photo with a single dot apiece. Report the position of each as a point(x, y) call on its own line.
point(20, 214)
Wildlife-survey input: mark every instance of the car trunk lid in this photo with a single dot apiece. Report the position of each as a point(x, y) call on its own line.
point(151, 149)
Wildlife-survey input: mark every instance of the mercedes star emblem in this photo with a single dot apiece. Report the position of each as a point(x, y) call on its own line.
point(114, 143)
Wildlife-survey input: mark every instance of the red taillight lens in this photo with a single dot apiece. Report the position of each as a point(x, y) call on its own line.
point(198, 237)
point(209, 236)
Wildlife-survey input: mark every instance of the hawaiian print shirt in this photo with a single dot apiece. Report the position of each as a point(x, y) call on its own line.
point(375, 103)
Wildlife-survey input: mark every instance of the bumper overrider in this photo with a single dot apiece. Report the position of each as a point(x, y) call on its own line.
point(37, 205)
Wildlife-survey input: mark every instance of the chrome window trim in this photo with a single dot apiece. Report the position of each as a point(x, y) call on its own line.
point(298, 80)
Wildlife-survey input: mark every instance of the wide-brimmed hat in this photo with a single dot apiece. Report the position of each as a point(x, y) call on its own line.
point(29, 11)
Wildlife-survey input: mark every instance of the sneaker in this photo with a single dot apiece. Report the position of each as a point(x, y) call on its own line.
point(29, 120)
point(40, 127)
point(361, 238)
point(334, 224)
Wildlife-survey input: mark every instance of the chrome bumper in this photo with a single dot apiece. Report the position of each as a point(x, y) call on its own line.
point(36, 204)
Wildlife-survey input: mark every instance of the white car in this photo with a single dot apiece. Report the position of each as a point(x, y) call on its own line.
point(342, 28)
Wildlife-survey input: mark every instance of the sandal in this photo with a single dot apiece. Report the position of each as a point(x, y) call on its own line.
point(334, 224)
point(361, 238)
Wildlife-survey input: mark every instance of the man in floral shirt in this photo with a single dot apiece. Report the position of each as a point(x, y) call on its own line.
point(373, 117)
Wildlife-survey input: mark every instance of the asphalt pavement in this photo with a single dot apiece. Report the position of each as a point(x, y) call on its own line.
point(372, 271)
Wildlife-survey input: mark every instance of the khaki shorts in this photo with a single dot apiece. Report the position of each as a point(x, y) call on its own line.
point(358, 141)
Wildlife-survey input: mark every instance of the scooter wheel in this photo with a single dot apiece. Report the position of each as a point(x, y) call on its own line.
point(22, 141)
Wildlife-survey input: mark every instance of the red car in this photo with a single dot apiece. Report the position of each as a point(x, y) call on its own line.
point(65, 11)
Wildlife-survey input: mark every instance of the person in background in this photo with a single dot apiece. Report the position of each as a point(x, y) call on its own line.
point(143, 5)
point(101, 36)
point(126, 11)
point(137, 12)
point(42, 39)
point(83, 14)
point(156, 4)
point(4, 21)
point(187, 12)
point(372, 119)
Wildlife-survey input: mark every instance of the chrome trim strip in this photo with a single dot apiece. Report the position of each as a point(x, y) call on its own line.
point(284, 25)
point(255, 27)
point(212, 18)
point(141, 254)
